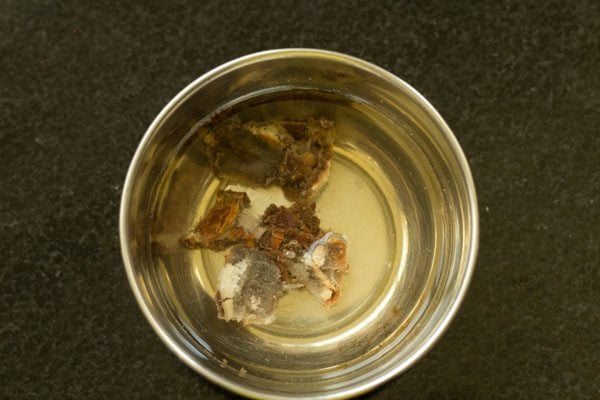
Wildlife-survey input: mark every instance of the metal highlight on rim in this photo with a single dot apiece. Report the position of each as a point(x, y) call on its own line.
point(384, 376)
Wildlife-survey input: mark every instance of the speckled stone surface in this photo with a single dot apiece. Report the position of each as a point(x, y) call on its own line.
point(519, 83)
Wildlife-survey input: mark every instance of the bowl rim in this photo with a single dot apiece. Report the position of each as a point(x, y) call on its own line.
point(236, 386)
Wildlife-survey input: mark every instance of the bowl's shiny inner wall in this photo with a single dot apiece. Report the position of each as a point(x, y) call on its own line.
point(395, 189)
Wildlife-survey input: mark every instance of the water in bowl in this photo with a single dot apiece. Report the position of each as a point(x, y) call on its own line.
point(377, 195)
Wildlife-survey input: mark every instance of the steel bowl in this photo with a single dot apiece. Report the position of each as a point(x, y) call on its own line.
point(432, 249)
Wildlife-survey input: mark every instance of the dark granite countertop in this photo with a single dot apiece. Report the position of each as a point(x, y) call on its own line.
point(518, 82)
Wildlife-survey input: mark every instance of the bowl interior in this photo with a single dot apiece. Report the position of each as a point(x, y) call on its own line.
point(411, 255)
